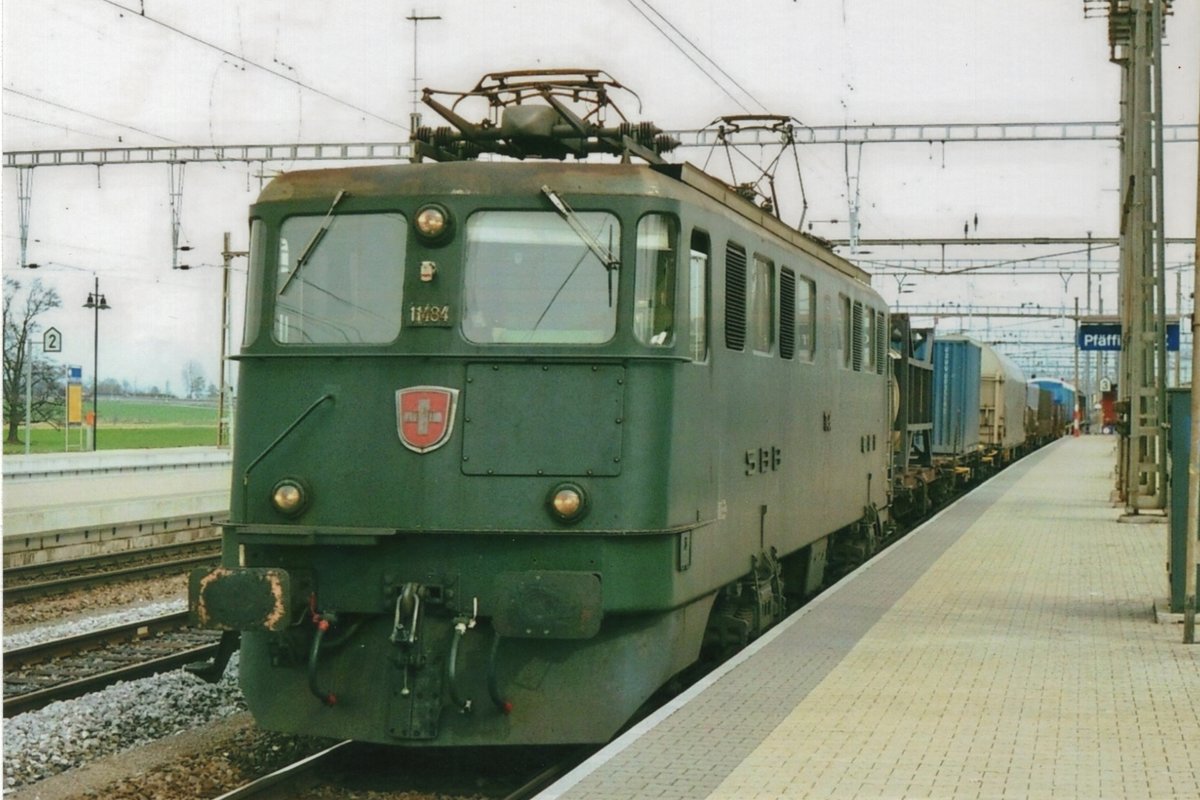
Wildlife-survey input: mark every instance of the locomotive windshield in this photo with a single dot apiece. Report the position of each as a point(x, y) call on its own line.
point(530, 278)
point(349, 285)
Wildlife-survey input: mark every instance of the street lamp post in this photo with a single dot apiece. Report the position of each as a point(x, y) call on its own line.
point(227, 257)
point(97, 303)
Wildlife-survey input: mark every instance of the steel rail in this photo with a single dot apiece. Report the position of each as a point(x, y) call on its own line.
point(546, 777)
point(291, 772)
point(39, 698)
point(22, 657)
point(21, 571)
point(31, 591)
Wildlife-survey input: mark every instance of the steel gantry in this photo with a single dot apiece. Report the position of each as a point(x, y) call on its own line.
point(400, 151)
point(175, 156)
point(1034, 265)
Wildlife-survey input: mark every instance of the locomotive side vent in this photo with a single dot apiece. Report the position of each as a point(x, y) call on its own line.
point(735, 296)
point(856, 328)
point(881, 340)
point(787, 314)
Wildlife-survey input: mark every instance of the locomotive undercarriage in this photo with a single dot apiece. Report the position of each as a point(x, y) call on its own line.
point(918, 490)
point(438, 678)
point(854, 545)
point(776, 586)
point(408, 655)
point(746, 608)
point(440, 667)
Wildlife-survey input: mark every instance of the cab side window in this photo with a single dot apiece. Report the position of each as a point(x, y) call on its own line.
point(796, 316)
point(698, 262)
point(762, 305)
point(654, 303)
point(806, 319)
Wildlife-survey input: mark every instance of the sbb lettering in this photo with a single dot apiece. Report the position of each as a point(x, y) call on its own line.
point(763, 460)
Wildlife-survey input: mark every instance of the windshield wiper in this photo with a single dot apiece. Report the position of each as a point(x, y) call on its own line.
point(317, 236)
point(601, 252)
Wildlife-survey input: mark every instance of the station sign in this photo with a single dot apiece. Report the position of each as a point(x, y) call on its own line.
point(1106, 336)
point(52, 341)
point(74, 395)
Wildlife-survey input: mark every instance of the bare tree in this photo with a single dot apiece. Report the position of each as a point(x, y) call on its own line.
point(20, 326)
point(193, 379)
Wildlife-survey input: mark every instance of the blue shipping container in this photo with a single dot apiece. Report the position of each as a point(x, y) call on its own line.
point(955, 395)
point(1062, 392)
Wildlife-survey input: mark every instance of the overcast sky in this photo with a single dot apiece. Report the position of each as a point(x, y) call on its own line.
point(96, 73)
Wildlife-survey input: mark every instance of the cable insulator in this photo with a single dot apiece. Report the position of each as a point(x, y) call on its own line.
point(665, 143)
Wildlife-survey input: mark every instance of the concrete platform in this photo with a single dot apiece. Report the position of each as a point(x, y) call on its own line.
point(53, 465)
point(59, 506)
point(1007, 649)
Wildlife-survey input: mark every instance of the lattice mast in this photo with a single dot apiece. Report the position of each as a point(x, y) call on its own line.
point(1135, 34)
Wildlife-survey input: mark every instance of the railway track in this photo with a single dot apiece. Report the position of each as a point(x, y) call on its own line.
point(287, 776)
point(346, 768)
point(37, 675)
point(25, 583)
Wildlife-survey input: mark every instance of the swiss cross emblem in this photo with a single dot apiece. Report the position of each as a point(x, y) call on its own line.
point(425, 416)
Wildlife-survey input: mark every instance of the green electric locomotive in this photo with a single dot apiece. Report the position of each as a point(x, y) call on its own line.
point(517, 441)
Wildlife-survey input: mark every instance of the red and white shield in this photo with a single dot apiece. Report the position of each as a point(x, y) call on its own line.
point(425, 416)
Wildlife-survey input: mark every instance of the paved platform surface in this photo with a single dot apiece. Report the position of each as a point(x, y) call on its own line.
point(1006, 649)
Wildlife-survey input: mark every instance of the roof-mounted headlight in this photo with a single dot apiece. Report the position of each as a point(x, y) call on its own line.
point(567, 502)
point(433, 223)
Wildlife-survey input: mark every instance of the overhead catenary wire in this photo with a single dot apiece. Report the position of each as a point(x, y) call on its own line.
point(264, 68)
point(703, 55)
point(81, 112)
point(58, 125)
point(688, 56)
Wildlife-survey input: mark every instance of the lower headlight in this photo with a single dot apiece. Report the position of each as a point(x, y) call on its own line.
point(567, 502)
point(289, 497)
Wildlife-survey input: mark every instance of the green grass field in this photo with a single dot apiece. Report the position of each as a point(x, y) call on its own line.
point(133, 411)
point(132, 423)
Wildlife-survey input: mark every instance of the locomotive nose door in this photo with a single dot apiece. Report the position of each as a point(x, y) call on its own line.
point(543, 419)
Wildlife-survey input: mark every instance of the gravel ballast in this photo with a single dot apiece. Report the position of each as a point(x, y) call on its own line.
point(63, 628)
point(100, 598)
point(70, 733)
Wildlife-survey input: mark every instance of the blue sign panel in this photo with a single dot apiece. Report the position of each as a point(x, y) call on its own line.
point(1100, 337)
point(74, 373)
point(1106, 336)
